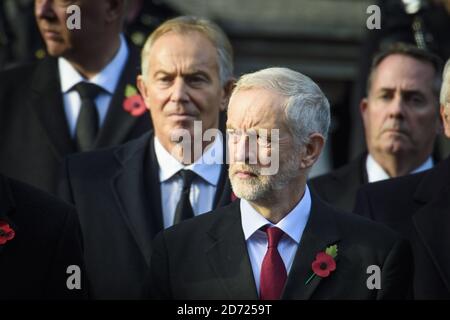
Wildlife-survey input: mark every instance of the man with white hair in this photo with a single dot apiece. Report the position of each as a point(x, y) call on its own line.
point(418, 207)
point(279, 241)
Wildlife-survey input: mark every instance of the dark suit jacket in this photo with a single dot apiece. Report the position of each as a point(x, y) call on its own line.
point(118, 199)
point(339, 187)
point(47, 240)
point(34, 135)
point(417, 206)
point(206, 258)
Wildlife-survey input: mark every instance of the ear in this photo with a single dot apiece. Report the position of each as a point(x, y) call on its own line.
point(312, 150)
point(140, 82)
point(226, 93)
point(445, 116)
point(363, 106)
point(115, 9)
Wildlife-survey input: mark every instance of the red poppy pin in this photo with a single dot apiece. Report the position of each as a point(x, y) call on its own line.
point(324, 263)
point(6, 233)
point(133, 104)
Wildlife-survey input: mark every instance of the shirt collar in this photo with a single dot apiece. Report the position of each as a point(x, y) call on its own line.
point(375, 171)
point(293, 224)
point(107, 79)
point(208, 166)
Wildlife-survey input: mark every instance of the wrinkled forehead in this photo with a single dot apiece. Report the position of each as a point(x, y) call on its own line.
point(399, 70)
point(191, 49)
point(256, 109)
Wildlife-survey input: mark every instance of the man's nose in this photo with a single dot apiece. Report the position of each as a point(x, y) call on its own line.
point(246, 150)
point(179, 91)
point(43, 9)
point(397, 107)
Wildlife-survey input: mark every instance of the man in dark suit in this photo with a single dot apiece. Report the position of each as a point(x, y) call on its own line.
point(126, 194)
point(401, 121)
point(39, 240)
point(78, 98)
point(279, 240)
point(418, 207)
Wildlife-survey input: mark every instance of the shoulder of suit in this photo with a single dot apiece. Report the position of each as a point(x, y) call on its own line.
point(33, 204)
point(101, 157)
point(395, 187)
point(206, 221)
point(18, 75)
point(352, 169)
point(390, 200)
point(363, 231)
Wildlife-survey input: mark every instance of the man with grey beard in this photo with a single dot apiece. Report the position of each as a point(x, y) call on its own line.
point(279, 241)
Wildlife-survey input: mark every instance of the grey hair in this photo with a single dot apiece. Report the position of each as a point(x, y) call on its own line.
point(307, 110)
point(445, 82)
point(185, 24)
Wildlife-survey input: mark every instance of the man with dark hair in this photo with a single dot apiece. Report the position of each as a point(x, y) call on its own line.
point(78, 98)
point(417, 206)
point(400, 115)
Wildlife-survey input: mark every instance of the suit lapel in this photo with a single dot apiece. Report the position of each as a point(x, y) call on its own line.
point(130, 192)
point(320, 232)
point(47, 103)
point(228, 256)
point(118, 122)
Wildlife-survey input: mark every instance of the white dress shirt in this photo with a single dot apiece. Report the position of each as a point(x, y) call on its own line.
point(376, 173)
point(107, 79)
point(204, 185)
point(293, 225)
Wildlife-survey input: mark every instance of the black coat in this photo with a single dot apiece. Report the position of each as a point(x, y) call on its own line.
point(206, 258)
point(417, 206)
point(47, 241)
point(117, 195)
point(339, 187)
point(34, 135)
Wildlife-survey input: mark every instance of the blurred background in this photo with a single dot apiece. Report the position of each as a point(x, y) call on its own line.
point(325, 39)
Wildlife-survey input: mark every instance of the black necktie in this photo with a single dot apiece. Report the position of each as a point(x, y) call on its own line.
point(87, 123)
point(184, 209)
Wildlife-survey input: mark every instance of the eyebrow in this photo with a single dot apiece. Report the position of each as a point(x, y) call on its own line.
point(402, 90)
point(185, 74)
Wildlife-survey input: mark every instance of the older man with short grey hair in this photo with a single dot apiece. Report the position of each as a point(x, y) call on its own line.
point(279, 241)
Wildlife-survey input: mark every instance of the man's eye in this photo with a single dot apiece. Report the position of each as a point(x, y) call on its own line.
point(385, 96)
point(417, 99)
point(264, 140)
point(196, 80)
point(164, 79)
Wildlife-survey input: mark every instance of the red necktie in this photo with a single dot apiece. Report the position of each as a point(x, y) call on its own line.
point(273, 272)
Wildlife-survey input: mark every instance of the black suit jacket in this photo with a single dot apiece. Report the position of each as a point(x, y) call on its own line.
point(47, 240)
point(34, 135)
point(206, 258)
point(418, 206)
point(339, 187)
point(118, 198)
